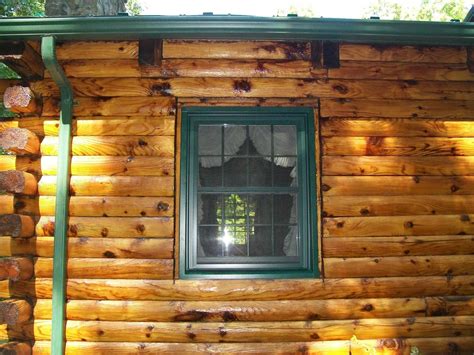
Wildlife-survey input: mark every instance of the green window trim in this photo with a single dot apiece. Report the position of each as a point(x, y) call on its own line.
point(271, 268)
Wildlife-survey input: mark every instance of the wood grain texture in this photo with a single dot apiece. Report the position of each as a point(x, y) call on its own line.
point(236, 49)
point(17, 225)
point(14, 312)
point(396, 108)
point(398, 225)
point(85, 247)
point(109, 268)
point(246, 290)
point(20, 182)
point(398, 146)
point(347, 247)
point(159, 146)
point(397, 205)
point(6, 204)
point(250, 331)
point(399, 266)
point(149, 186)
point(16, 269)
point(112, 165)
point(112, 227)
point(87, 206)
point(391, 165)
point(397, 185)
point(114, 106)
point(97, 50)
point(396, 127)
point(415, 54)
point(258, 311)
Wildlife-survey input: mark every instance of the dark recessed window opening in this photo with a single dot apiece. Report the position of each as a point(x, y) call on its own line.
point(248, 196)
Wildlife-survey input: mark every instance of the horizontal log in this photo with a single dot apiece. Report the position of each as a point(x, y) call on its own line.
point(250, 331)
point(401, 71)
point(30, 164)
point(19, 141)
point(112, 186)
point(15, 312)
point(16, 225)
point(392, 165)
point(397, 185)
point(6, 204)
point(443, 306)
point(110, 165)
point(16, 348)
point(396, 108)
point(198, 68)
point(253, 311)
point(159, 146)
point(236, 49)
point(86, 206)
point(18, 182)
point(399, 266)
point(397, 146)
point(84, 247)
point(416, 54)
point(398, 225)
point(16, 269)
point(114, 106)
point(395, 128)
point(346, 247)
point(112, 227)
point(261, 87)
point(246, 290)
point(22, 59)
point(109, 268)
point(21, 99)
point(385, 346)
point(339, 206)
point(97, 50)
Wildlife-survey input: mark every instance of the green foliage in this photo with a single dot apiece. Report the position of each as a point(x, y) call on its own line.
point(293, 9)
point(5, 113)
point(7, 73)
point(424, 10)
point(25, 8)
point(134, 7)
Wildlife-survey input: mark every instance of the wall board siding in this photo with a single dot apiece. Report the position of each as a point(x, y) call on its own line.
point(396, 201)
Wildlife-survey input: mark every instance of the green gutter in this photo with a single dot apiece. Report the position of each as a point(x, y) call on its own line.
point(48, 53)
point(239, 27)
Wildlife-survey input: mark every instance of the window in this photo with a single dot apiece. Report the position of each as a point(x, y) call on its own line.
point(247, 193)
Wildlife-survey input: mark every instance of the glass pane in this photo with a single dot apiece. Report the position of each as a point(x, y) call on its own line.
point(210, 171)
point(261, 242)
point(284, 140)
point(260, 209)
point(235, 172)
point(235, 211)
point(285, 172)
point(209, 209)
point(285, 208)
point(210, 140)
point(235, 140)
point(261, 140)
point(210, 241)
point(286, 240)
point(235, 240)
point(260, 171)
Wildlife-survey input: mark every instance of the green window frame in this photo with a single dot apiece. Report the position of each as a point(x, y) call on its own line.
point(304, 265)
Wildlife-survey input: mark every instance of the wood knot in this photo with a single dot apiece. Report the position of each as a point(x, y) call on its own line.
point(241, 86)
point(162, 88)
point(408, 224)
point(162, 206)
point(341, 89)
point(229, 316)
point(142, 142)
point(364, 211)
point(73, 230)
point(104, 232)
point(454, 188)
point(314, 336)
point(325, 187)
point(368, 308)
point(140, 228)
point(260, 68)
point(340, 224)
point(109, 254)
point(465, 218)
point(48, 228)
point(416, 179)
point(222, 331)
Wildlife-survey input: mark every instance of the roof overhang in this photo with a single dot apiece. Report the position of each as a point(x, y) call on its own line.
point(239, 27)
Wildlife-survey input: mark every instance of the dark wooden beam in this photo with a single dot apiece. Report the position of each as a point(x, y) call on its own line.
point(325, 54)
point(23, 59)
point(150, 52)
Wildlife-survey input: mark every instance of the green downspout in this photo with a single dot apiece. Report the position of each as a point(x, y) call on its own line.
point(48, 53)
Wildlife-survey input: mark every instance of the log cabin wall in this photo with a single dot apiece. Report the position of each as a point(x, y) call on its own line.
point(395, 194)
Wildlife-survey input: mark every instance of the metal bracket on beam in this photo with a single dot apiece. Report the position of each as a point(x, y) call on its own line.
point(150, 51)
point(325, 54)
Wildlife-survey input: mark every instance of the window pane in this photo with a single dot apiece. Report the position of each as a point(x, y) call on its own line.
point(260, 139)
point(210, 140)
point(235, 211)
point(235, 172)
point(210, 171)
point(235, 140)
point(286, 240)
point(261, 242)
point(284, 208)
point(284, 140)
point(210, 241)
point(285, 172)
point(260, 209)
point(260, 171)
point(235, 240)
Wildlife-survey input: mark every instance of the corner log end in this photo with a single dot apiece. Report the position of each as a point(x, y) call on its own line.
point(16, 225)
point(15, 348)
point(21, 99)
point(14, 312)
point(18, 182)
point(16, 269)
point(19, 141)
